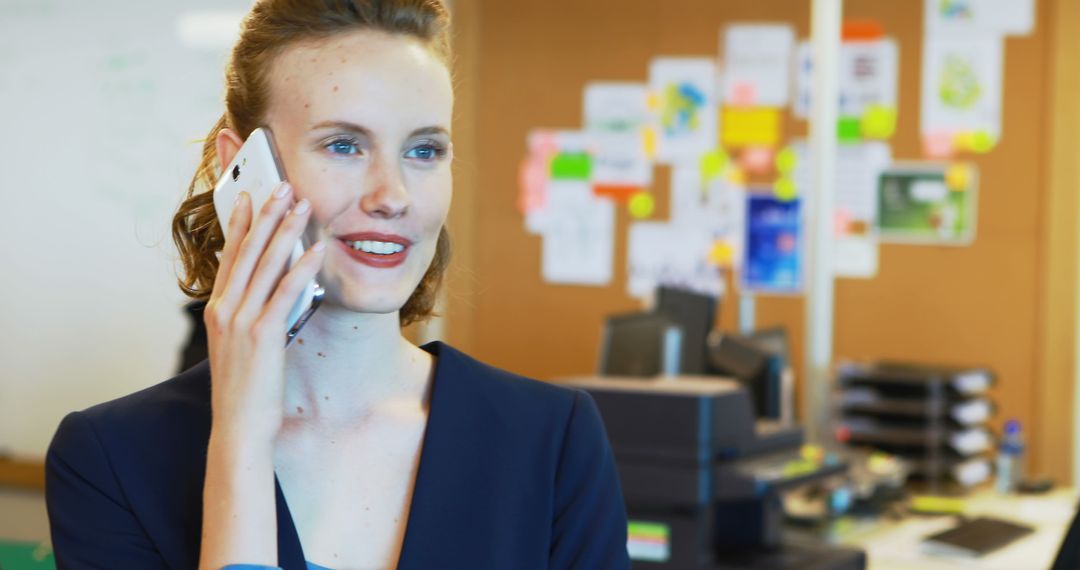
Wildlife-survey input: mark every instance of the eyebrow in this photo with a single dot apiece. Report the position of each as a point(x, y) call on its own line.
point(432, 130)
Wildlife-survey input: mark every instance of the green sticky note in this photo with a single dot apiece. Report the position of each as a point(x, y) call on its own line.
point(848, 130)
point(982, 142)
point(878, 122)
point(712, 164)
point(571, 166)
point(785, 189)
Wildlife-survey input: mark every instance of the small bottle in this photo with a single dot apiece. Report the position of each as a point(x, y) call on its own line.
point(1010, 458)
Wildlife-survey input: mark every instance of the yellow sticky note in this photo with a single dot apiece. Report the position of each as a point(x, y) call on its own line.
point(712, 164)
point(642, 205)
point(754, 126)
point(878, 122)
point(648, 141)
point(721, 254)
point(958, 177)
point(964, 141)
point(936, 504)
point(785, 189)
point(786, 161)
point(652, 101)
point(735, 176)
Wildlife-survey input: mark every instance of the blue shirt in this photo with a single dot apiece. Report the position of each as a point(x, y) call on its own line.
point(513, 473)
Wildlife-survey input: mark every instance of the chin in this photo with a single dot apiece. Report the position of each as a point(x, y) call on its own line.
point(367, 301)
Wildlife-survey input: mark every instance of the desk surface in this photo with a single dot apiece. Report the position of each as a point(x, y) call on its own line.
point(898, 545)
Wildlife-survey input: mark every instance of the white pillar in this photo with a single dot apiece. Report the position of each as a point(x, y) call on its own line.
point(825, 31)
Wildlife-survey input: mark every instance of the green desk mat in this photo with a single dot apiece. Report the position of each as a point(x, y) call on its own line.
point(25, 556)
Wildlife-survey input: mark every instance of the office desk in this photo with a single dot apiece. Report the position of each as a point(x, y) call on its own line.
point(898, 545)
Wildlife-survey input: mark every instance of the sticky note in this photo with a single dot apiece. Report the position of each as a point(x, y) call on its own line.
point(642, 205)
point(938, 144)
point(982, 142)
point(532, 184)
point(755, 126)
point(648, 142)
point(722, 254)
point(849, 130)
point(743, 94)
point(571, 166)
point(841, 222)
point(712, 164)
point(786, 160)
point(617, 193)
point(757, 160)
point(736, 176)
point(785, 189)
point(958, 177)
point(878, 122)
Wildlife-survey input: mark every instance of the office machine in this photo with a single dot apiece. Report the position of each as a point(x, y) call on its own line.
point(703, 479)
point(695, 314)
point(641, 344)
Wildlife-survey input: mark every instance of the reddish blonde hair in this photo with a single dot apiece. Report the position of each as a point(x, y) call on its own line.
point(270, 27)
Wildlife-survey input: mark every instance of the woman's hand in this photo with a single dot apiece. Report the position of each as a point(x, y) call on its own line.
point(247, 311)
point(245, 322)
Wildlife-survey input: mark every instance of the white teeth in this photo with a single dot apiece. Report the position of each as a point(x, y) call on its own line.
point(377, 247)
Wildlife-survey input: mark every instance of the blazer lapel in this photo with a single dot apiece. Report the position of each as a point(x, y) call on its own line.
point(290, 553)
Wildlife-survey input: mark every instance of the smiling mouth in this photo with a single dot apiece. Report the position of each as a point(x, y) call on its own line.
point(376, 250)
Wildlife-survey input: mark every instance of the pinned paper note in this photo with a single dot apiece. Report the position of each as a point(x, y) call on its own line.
point(931, 203)
point(759, 126)
point(774, 248)
point(757, 160)
point(757, 64)
point(661, 254)
point(868, 83)
point(578, 246)
point(536, 171)
point(961, 90)
point(685, 116)
point(858, 168)
point(616, 115)
point(981, 18)
point(714, 208)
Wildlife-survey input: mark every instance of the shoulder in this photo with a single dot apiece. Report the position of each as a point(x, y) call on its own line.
point(467, 376)
point(171, 418)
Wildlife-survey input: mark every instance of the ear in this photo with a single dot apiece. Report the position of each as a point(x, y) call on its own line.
point(228, 143)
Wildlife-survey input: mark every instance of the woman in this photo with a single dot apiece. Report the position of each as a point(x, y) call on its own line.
point(352, 448)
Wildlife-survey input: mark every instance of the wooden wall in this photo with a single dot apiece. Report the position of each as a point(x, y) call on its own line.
point(1005, 302)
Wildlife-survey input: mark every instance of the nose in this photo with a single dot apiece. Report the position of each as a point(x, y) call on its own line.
point(385, 196)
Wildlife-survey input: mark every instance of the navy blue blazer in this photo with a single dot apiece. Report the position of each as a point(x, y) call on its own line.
point(514, 474)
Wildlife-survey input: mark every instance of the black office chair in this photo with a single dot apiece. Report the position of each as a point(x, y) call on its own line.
point(1068, 556)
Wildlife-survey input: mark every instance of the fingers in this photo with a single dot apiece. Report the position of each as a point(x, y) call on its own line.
point(274, 261)
point(238, 222)
point(292, 284)
point(251, 248)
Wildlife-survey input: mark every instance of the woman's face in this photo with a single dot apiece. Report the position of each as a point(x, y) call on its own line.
point(361, 121)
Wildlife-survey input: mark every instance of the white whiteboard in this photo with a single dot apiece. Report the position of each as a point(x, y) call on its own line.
point(100, 103)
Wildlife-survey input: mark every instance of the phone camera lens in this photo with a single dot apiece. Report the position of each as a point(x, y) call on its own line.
point(236, 172)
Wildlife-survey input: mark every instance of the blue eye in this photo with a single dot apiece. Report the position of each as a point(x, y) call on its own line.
point(425, 152)
point(343, 146)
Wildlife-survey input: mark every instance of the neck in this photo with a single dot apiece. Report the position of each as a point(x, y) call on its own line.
point(343, 366)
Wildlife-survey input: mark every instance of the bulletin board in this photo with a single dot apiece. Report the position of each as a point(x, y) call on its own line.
point(974, 305)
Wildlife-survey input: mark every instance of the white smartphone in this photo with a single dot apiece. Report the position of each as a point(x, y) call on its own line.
point(257, 170)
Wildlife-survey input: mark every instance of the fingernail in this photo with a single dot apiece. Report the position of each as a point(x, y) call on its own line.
point(236, 200)
point(282, 190)
point(301, 207)
point(319, 246)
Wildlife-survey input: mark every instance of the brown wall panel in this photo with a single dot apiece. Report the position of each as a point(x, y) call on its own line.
point(958, 305)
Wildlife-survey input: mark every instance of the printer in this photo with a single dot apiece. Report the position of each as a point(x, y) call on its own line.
point(702, 479)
